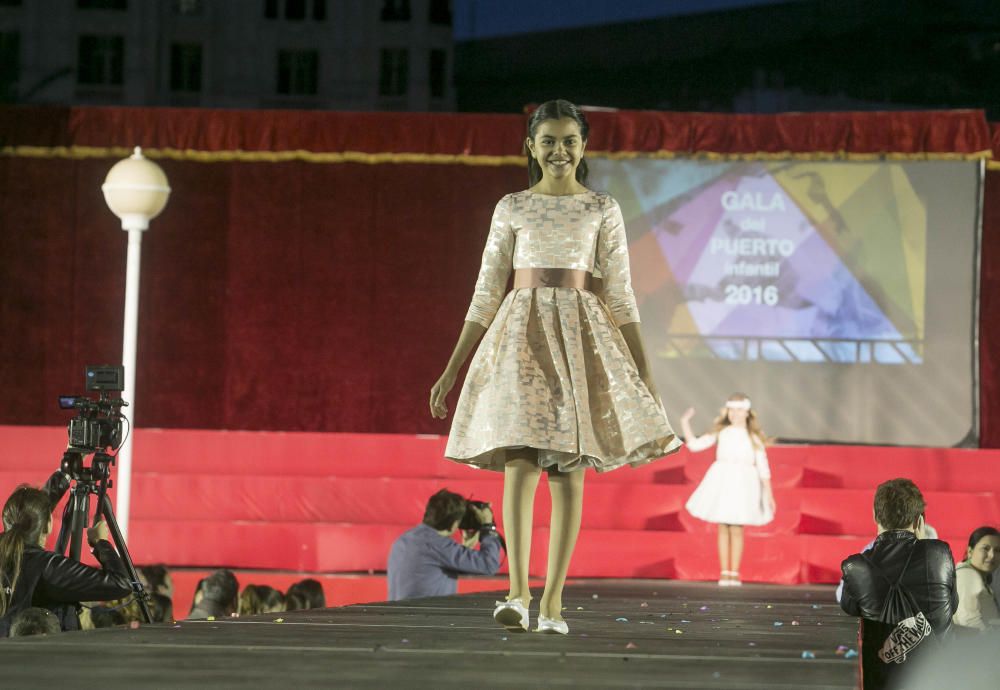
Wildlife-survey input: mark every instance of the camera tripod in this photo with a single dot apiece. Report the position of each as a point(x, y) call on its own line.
point(94, 480)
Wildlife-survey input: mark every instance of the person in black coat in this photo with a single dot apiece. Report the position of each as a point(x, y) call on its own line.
point(923, 569)
point(31, 576)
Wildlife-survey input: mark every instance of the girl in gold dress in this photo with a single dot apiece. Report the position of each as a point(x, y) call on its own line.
point(560, 381)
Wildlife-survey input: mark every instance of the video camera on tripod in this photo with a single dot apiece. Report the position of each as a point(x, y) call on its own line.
point(97, 429)
point(98, 423)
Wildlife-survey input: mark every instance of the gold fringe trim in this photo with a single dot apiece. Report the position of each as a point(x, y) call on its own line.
point(85, 152)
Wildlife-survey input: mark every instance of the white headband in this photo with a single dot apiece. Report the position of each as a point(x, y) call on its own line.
point(738, 404)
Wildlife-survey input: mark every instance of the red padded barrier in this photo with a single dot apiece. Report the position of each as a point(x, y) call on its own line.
point(335, 502)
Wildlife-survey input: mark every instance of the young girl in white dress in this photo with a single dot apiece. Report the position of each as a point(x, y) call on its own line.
point(736, 490)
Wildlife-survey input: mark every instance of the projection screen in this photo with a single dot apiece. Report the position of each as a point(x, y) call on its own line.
point(840, 296)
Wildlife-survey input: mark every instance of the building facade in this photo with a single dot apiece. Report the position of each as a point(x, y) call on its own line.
point(322, 54)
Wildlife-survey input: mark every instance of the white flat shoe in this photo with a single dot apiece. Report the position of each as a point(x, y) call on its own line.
point(512, 614)
point(549, 625)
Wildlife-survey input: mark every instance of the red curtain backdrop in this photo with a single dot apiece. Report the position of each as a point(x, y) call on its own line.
point(312, 270)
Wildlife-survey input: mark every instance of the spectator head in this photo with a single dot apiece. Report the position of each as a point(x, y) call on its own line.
point(104, 617)
point(27, 520)
point(34, 621)
point(255, 599)
point(156, 580)
point(983, 553)
point(217, 595)
point(161, 608)
point(899, 505)
point(444, 510)
point(305, 594)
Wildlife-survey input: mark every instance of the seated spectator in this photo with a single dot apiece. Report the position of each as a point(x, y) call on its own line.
point(217, 596)
point(977, 607)
point(161, 607)
point(31, 576)
point(898, 568)
point(97, 616)
point(255, 599)
point(34, 621)
point(156, 580)
point(305, 594)
point(426, 561)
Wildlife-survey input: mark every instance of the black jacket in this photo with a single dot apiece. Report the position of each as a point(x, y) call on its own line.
point(52, 581)
point(930, 578)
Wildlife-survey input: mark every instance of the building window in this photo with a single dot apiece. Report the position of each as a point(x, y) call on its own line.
point(185, 67)
point(440, 12)
point(189, 7)
point(101, 60)
point(298, 72)
point(394, 72)
point(10, 64)
point(439, 62)
point(395, 10)
point(102, 4)
point(295, 9)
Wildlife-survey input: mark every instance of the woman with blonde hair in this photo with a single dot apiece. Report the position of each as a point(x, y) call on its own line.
point(736, 490)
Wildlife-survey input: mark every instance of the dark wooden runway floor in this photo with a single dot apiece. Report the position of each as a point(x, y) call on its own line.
point(623, 634)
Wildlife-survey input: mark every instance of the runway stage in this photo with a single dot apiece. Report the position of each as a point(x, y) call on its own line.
point(623, 634)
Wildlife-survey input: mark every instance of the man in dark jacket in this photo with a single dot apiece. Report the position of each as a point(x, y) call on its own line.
point(922, 569)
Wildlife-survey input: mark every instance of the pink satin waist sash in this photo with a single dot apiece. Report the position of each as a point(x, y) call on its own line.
point(555, 278)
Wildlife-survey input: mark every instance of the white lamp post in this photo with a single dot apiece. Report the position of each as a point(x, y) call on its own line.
point(136, 190)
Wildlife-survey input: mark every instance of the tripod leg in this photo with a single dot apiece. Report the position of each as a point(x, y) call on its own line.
point(79, 522)
point(104, 508)
point(66, 525)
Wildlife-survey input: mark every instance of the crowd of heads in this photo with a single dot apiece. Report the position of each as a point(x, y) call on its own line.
point(219, 596)
point(216, 596)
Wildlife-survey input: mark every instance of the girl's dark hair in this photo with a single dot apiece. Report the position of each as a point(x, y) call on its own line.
point(555, 110)
point(984, 531)
point(25, 516)
point(255, 599)
point(305, 594)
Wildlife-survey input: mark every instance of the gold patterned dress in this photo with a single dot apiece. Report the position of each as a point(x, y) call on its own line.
point(553, 371)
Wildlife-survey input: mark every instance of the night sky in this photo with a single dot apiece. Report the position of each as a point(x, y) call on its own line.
point(475, 19)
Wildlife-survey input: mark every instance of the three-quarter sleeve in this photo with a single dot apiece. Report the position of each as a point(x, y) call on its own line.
point(498, 258)
point(612, 264)
point(760, 461)
point(701, 443)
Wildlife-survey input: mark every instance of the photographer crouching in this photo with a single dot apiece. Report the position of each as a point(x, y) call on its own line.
point(30, 576)
point(426, 561)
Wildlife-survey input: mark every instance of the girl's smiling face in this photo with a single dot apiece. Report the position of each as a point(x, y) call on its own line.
point(558, 147)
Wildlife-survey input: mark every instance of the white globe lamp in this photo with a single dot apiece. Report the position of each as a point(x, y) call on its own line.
point(136, 190)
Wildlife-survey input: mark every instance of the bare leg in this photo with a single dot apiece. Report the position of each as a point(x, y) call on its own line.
point(736, 546)
point(567, 509)
point(724, 550)
point(520, 479)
